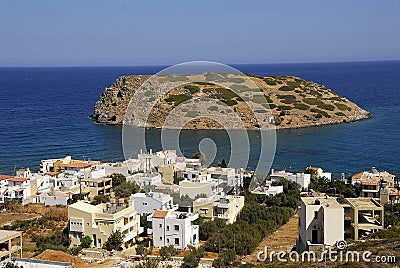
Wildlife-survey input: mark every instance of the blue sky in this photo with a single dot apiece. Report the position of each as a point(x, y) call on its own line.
point(120, 32)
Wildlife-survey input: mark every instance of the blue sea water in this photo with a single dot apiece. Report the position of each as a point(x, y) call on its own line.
point(44, 113)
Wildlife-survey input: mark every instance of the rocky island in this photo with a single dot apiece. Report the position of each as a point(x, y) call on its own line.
point(294, 102)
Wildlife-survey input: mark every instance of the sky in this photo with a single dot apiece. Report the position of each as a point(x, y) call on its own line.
point(159, 32)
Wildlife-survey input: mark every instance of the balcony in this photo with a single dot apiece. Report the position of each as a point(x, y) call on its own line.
point(223, 216)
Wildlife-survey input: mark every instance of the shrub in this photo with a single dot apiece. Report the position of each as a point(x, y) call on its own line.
point(287, 97)
point(177, 99)
point(286, 88)
point(288, 101)
point(168, 252)
point(259, 99)
point(213, 108)
point(235, 80)
point(114, 241)
point(126, 189)
point(320, 112)
point(301, 106)
point(192, 89)
point(342, 107)
point(284, 108)
point(270, 81)
point(86, 241)
point(340, 114)
point(191, 114)
point(117, 179)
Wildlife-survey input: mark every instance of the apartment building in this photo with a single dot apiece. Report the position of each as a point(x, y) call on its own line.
point(300, 178)
point(147, 203)
point(174, 228)
point(226, 208)
point(101, 220)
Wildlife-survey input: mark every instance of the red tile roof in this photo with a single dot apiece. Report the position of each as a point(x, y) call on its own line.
point(370, 182)
point(77, 165)
point(357, 176)
point(4, 177)
point(52, 173)
point(19, 179)
point(160, 213)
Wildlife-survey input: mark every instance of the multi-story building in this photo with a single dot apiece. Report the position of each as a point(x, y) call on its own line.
point(372, 181)
point(321, 223)
point(226, 208)
point(147, 203)
point(99, 221)
point(300, 178)
point(11, 245)
point(96, 186)
point(174, 228)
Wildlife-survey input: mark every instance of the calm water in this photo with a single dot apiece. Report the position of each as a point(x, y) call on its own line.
point(44, 113)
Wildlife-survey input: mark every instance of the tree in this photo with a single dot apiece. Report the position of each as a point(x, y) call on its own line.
point(227, 257)
point(223, 163)
point(126, 189)
point(86, 241)
point(166, 253)
point(192, 260)
point(117, 179)
point(100, 199)
point(114, 241)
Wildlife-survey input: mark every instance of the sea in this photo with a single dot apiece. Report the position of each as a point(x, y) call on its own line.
point(44, 113)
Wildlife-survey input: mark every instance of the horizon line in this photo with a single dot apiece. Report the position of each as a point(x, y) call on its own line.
point(164, 65)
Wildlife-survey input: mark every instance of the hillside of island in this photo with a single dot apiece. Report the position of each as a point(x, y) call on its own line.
point(293, 102)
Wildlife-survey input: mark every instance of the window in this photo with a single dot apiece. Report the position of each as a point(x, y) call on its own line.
point(167, 240)
point(176, 241)
point(167, 227)
point(160, 237)
point(160, 225)
point(315, 214)
point(144, 203)
point(176, 227)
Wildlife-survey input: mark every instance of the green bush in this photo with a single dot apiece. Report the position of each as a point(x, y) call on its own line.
point(270, 81)
point(114, 241)
point(301, 106)
point(177, 99)
point(287, 97)
point(192, 114)
point(235, 80)
point(192, 89)
point(259, 99)
point(342, 107)
point(340, 114)
point(320, 112)
point(284, 108)
point(213, 108)
point(86, 241)
point(286, 88)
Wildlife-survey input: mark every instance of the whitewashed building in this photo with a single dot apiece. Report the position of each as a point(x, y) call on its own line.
point(300, 178)
point(174, 228)
point(147, 203)
point(321, 223)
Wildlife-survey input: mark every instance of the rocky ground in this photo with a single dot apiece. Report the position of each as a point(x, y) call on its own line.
point(205, 102)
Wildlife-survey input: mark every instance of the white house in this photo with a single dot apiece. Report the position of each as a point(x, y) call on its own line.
point(300, 178)
point(321, 223)
point(145, 179)
point(147, 203)
point(174, 228)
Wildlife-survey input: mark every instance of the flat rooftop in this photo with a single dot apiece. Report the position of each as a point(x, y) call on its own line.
point(325, 201)
point(7, 235)
point(364, 203)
